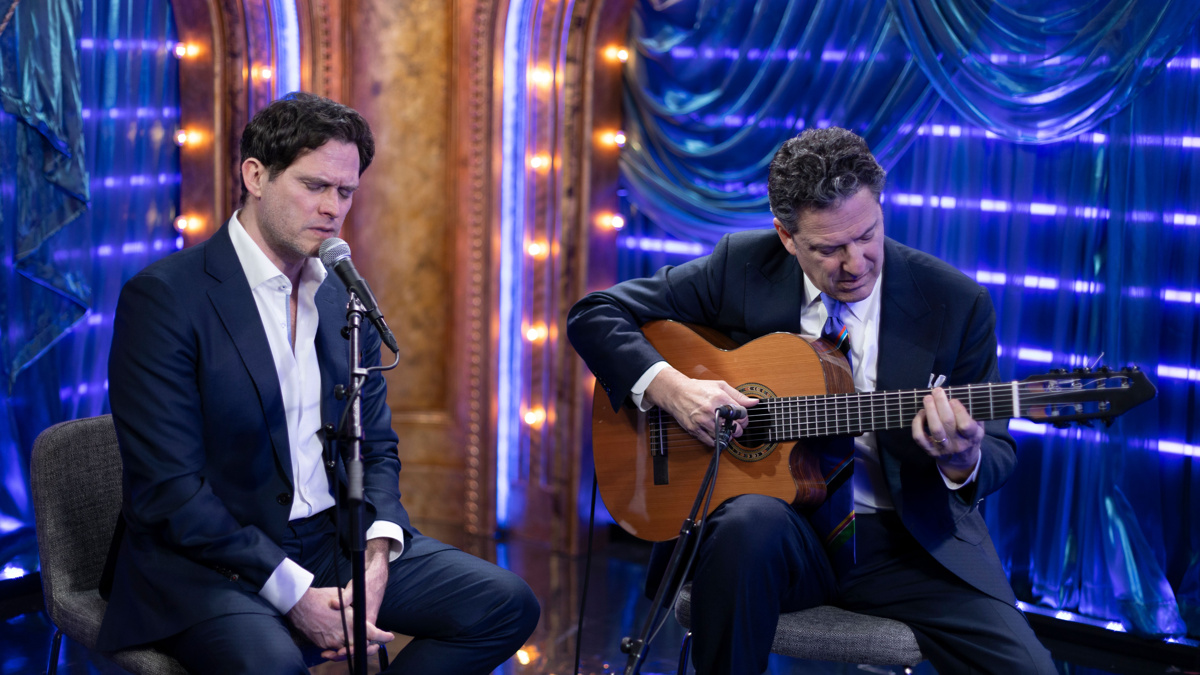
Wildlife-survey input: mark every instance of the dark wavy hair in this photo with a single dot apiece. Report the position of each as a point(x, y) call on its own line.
point(819, 169)
point(299, 123)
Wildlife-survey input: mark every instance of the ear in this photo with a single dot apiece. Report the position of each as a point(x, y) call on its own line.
point(254, 174)
point(785, 237)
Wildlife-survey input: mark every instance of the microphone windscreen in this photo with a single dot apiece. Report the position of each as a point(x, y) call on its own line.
point(332, 250)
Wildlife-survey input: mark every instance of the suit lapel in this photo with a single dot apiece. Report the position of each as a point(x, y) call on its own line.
point(234, 303)
point(909, 328)
point(909, 332)
point(331, 347)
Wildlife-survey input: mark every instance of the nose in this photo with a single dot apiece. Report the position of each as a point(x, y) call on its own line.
point(330, 204)
point(855, 263)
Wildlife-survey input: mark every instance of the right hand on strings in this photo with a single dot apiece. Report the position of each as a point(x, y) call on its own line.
point(692, 402)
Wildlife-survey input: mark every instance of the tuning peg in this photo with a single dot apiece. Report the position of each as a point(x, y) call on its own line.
point(1058, 371)
point(1061, 425)
point(1083, 371)
point(1105, 369)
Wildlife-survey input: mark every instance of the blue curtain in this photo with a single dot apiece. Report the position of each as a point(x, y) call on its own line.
point(89, 180)
point(1088, 238)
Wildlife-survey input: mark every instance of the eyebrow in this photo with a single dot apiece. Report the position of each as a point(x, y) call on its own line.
point(325, 182)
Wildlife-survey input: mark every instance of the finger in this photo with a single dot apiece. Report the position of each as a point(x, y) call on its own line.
point(945, 412)
point(968, 427)
point(737, 396)
point(933, 422)
point(918, 431)
point(376, 635)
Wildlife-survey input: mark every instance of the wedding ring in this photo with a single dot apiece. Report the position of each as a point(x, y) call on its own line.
point(939, 442)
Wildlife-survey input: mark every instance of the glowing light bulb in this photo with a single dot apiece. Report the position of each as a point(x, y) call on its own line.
point(622, 55)
point(536, 333)
point(181, 137)
point(542, 77)
point(264, 73)
point(539, 162)
point(619, 139)
point(535, 417)
point(183, 223)
point(537, 249)
point(192, 49)
point(617, 222)
point(611, 53)
point(523, 657)
point(180, 50)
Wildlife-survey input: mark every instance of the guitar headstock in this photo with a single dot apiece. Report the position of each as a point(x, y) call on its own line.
point(1061, 397)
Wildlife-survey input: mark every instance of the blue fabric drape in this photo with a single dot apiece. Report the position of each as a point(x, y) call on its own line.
point(89, 175)
point(1088, 244)
point(719, 86)
point(39, 85)
point(1042, 70)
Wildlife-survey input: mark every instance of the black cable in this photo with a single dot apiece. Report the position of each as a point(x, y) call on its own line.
point(587, 575)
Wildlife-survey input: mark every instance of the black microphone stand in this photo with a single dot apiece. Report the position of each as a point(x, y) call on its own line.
point(685, 544)
point(354, 487)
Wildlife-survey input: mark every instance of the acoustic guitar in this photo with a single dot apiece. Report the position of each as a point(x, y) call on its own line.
point(649, 468)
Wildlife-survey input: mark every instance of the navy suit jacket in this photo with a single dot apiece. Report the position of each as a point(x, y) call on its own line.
point(933, 319)
point(207, 470)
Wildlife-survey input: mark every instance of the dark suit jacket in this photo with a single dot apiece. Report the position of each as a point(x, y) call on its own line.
point(933, 319)
point(207, 469)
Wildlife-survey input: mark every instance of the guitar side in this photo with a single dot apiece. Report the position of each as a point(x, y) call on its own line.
point(783, 364)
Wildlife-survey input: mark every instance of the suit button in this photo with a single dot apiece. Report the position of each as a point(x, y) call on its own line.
point(233, 577)
point(284, 498)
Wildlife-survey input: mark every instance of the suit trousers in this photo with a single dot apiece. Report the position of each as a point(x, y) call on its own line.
point(758, 557)
point(465, 615)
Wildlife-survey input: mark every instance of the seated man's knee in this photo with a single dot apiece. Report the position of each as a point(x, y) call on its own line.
point(752, 523)
point(517, 609)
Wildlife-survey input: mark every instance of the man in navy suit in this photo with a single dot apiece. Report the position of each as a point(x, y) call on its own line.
point(224, 361)
point(924, 555)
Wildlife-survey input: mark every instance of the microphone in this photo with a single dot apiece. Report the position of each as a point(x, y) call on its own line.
point(731, 412)
point(335, 254)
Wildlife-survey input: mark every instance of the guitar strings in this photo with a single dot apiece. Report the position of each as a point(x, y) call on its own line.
point(829, 414)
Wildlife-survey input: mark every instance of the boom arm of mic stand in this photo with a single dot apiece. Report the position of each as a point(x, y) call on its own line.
point(673, 578)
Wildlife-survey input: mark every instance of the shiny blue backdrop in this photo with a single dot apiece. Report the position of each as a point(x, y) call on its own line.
point(1050, 150)
point(89, 189)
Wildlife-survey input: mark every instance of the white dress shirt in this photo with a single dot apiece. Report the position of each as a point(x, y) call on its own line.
point(300, 384)
point(862, 320)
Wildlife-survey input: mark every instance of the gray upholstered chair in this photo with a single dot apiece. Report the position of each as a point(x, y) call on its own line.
point(75, 473)
point(826, 634)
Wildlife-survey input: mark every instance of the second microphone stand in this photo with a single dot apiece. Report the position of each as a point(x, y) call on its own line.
point(685, 545)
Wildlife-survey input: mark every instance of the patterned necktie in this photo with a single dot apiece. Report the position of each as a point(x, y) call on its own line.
point(834, 519)
point(835, 330)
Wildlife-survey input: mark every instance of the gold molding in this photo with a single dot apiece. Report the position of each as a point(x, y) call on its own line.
point(476, 44)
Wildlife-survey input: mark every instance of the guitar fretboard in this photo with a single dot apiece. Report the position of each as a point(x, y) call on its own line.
point(797, 417)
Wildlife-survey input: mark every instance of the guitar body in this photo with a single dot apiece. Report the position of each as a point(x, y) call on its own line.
point(624, 442)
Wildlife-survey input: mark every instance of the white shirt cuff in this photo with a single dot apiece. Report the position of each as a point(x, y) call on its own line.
point(639, 388)
point(970, 479)
point(286, 585)
point(391, 531)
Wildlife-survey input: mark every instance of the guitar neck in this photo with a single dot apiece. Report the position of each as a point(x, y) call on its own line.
point(797, 417)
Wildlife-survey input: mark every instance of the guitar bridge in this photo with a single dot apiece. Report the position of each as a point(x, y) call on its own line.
point(657, 422)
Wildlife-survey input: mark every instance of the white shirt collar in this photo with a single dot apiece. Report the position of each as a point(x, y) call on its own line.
point(861, 310)
point(258, 267)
